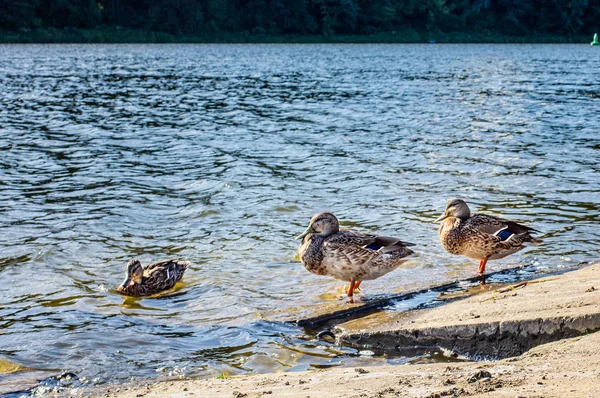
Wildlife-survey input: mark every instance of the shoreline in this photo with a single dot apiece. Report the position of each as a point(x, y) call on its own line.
point(564, 368)
point(117, 35)
point(560, 367)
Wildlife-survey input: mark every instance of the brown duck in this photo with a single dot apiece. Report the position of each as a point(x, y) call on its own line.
point(153, 278)
point(348, 255)
point(480, 236)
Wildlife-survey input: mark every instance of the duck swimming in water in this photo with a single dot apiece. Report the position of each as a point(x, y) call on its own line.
point(480, 236)
point(153, 278)
point(348, 255)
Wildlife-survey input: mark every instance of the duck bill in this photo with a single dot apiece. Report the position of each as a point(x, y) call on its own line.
point(125, 283)
point(308, 230)
point(440, 218)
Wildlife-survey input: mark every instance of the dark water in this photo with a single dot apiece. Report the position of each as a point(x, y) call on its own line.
point(219, 154)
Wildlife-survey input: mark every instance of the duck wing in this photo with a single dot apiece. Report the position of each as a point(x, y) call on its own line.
point(501, 229)
point(164, 274)
point(166, 264)
point(387, 244)
point(358, 248)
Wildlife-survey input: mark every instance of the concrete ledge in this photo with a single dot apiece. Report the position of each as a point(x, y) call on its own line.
point(494, 324)
point(495, 339)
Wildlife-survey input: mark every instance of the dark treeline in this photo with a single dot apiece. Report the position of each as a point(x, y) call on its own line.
point(416, 18)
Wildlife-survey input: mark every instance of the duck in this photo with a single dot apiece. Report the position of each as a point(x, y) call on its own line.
point(348, 255)
point(480, 236)
point(153, 278)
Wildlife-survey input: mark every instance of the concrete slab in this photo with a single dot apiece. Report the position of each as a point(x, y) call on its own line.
point(501, 323)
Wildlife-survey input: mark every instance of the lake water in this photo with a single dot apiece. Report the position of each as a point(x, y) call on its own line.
point(219, 154)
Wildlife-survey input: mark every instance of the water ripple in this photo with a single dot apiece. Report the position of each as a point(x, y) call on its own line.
point(220, 154)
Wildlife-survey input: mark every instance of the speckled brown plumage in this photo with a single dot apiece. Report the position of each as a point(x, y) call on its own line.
point(153, 278)
point(346, 254)
point(479, 236)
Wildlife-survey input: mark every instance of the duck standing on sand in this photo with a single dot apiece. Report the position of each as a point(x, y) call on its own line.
point(479, 236)
point(153, 278)
point(348, 255)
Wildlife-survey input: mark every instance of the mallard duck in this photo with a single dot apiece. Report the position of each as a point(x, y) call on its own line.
point(153, 278)
point(479, 236)
point(348, 255)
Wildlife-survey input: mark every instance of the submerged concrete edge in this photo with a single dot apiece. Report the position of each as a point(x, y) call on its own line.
point(499, 339)
point(355, 310)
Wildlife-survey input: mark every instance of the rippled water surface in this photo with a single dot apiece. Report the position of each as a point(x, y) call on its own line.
point(220, 154)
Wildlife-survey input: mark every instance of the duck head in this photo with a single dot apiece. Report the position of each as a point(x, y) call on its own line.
point(133, 274)
point(323, 224)
point(455, 208)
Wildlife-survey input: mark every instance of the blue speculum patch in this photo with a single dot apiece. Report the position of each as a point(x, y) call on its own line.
point(504, 235)
point(373, 246)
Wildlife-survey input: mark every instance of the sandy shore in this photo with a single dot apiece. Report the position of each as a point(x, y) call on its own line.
point(567, 368)
point(560, 306)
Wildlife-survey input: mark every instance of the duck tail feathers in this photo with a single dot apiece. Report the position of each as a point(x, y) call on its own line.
point(390, 241)
point(533, 241)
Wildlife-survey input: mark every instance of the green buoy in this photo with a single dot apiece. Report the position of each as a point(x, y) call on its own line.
point(595, 42)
